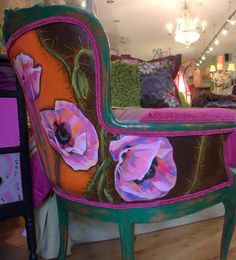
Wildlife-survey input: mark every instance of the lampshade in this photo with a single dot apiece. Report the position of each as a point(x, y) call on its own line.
point(212, 68)
point(220, 62)
point(231, 67)
point(197, 78)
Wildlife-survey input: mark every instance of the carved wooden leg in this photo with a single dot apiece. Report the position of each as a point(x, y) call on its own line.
point(63, 227)
point(31, 239)
point(229, 225)
point(126, 229)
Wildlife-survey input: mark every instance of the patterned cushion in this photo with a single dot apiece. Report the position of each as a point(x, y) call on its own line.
point(158, 89)
point(126, 58)
point(172, 63)
point(156, 84)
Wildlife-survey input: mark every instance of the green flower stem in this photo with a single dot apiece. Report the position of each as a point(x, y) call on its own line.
point(199, 161)
point(41, 141)
point(34, 114)
point(97, 176)
point(108, 196)
point(79, 80)
point(57, 171)
point(101, 186)
point(52, 52)
point(102, 143)
point(82, 52)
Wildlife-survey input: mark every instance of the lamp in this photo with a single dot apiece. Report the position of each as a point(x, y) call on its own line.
point(187, 30)
point(219, 75)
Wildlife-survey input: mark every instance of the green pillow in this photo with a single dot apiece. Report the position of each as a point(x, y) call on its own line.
point(125, 84)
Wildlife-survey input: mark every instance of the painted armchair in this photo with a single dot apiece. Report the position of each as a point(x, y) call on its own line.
point(170, 163)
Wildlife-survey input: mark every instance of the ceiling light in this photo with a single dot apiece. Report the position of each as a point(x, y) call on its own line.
point(203, 24)
point(169, 28)
point(188, 28)
point(211, 49)
point(232, 21)
point(83, 4)
point(225, 32)
point(203, 57)
point(216, 42)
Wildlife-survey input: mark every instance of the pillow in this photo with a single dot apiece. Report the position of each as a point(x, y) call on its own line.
point(125, 84)
point(158, 88)
point(126, 58)
point(208, 99)
point(172, 63)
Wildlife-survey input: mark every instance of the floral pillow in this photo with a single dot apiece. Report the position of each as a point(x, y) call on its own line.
point(158, 88)
point(126, 58)
point(171, 63)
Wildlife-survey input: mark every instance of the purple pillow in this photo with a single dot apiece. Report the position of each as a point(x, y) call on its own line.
point(158, 89)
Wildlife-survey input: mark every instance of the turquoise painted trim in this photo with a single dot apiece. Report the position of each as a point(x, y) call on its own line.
point(12, 23)
point(156, 213)
point(151, 214)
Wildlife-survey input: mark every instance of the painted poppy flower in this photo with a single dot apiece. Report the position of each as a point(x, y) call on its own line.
point(71, 134)
point(28, 75)
point(146, 169)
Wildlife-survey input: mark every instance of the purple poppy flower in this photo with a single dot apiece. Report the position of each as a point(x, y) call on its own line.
point(146, 169)
point(29, 76)
point(71, 134)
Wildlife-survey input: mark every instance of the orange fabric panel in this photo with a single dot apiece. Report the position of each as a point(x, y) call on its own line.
point(54, 76)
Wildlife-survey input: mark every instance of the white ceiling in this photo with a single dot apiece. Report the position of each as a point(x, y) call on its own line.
point(142, 26)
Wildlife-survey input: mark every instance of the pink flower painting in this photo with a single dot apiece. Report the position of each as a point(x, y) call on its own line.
point(146, 169)
point(71, 134)
point(28, 75)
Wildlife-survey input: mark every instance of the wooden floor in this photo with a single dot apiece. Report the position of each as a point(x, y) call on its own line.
point(199, 241)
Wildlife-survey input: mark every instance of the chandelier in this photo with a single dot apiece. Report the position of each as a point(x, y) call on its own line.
point(188, 28)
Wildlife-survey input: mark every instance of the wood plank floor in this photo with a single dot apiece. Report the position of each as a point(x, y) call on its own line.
point(199, 241)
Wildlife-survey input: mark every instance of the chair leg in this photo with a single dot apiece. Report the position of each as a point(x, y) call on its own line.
point(229, 225)
point(63, 227)
point(126, 229)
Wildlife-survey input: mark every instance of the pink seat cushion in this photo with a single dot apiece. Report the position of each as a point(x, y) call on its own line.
point(166, 115)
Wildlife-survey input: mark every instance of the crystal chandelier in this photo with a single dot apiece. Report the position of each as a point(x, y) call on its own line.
point(188, 28)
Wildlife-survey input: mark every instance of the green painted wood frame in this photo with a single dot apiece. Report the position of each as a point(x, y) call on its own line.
point(126, 218)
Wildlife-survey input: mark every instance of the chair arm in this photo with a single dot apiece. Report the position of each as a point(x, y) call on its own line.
point(173, 122)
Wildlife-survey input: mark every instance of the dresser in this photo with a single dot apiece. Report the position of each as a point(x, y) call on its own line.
point(15, 183)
